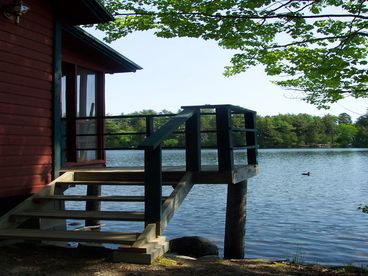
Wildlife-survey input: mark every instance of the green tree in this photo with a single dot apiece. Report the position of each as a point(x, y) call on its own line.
point(319, 45)
point(346, 134)
point(344, 118)
point(267, 135)
point(330, 125)
point(286, 132)
point(362, 135)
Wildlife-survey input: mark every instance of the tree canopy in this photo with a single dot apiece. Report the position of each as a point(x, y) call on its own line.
point(316, 47)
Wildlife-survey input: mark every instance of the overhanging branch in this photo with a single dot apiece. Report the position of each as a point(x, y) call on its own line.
point(313, 40)
point(246, 17)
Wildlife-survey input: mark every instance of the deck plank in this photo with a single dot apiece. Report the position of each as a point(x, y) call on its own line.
point(209, 174)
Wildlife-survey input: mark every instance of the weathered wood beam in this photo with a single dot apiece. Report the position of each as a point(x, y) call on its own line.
point(176, 198)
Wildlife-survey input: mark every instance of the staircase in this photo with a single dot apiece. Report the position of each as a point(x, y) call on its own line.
point(44, 215)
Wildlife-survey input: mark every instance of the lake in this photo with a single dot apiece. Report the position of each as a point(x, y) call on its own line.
point(289, 215)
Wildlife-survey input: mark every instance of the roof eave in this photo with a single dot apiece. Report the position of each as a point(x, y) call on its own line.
point(126, 63)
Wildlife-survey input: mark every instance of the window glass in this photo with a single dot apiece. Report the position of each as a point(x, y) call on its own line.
point(86, 107)
point(86, 93)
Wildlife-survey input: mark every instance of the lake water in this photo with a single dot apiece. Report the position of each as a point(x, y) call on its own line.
point(289, 216)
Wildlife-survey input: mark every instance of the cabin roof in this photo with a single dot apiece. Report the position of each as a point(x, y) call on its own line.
point(79, 12)
point(113, 60)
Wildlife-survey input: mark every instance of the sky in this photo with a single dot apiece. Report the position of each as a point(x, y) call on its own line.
point(182, 71)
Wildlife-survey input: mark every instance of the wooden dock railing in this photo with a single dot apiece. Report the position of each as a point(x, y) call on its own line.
point(153, 165)
point(191, 117)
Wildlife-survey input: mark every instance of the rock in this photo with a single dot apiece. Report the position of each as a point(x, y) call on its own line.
point(193, 246)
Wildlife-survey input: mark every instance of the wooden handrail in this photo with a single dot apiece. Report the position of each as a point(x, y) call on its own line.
point(157, 137)
point(234, 108)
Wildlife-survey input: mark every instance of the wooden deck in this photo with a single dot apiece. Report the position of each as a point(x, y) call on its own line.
point(125, 175)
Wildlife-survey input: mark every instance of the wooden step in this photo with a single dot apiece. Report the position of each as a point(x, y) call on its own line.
point(83, 215)
point(75, 236)
point(92, 198)
point(107, 183)
point(138, 257)
point(147, 247)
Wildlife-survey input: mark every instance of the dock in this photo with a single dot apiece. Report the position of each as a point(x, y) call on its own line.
point(43, 216)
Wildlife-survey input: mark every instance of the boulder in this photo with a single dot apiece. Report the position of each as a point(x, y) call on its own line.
point(193, 246)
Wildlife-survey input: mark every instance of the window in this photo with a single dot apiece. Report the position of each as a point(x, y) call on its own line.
point(82, 112)
point(86, 113)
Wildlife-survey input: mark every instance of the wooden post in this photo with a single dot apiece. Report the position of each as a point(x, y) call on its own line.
point(149, 125)
point(224, 138)
point(236, 193)
point(234, 244)
point(100, 114)
point(251, 138)
point(153, 187)
point(57, 135)
point(193, 142)
point(95, 205)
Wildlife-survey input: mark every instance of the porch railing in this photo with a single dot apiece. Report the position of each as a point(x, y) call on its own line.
point(114, 140)
point(232, 123)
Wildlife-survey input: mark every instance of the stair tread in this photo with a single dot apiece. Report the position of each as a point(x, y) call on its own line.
point(92, 198)
point(77, 214)
point(85, 236)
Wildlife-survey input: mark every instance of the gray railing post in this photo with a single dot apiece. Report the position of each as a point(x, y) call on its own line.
point(153, 187)
point(251, 137)
point(224, 138)
point(193, 142)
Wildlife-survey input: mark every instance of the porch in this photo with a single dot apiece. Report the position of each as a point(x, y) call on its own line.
point(233, 129)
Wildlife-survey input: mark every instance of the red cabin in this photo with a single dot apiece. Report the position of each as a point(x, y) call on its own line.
point(50, 69)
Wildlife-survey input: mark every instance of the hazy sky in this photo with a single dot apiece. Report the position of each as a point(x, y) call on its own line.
point(184, 71)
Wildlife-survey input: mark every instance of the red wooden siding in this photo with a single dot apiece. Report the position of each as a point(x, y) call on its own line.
point(26, 66)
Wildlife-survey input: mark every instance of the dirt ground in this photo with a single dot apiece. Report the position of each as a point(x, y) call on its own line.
point(31, 259)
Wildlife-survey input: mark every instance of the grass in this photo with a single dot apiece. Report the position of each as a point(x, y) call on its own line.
point(165, 261)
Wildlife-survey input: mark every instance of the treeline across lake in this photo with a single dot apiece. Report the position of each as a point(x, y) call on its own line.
point(279, 131)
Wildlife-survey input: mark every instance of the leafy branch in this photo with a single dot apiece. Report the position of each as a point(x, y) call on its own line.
point(322, 45)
